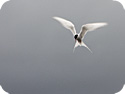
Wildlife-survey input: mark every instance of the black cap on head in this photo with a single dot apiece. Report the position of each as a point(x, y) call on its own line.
point(76, 36)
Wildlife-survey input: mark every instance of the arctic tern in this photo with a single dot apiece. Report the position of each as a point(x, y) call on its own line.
point(84, 29)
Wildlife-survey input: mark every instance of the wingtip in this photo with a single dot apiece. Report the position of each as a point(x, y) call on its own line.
point(55, 17)
point(105, 23)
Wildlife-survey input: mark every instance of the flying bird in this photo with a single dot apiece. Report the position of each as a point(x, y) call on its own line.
point(2, 2)
point(122, 2)
point(84, 29)
point(122, 91)
point(2, 91)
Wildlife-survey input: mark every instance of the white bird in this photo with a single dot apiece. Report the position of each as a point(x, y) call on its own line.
point(2, 91)
point(2, 2)
point(122, 2)
point(84, 29)
point(122, 91)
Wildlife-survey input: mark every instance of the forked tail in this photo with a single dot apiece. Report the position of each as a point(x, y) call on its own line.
point(76, 45)
point(81, 44)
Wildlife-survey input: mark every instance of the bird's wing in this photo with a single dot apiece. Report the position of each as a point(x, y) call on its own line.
point(67, 24)
point(2, 2)
point(90, 27)
point(122, 2)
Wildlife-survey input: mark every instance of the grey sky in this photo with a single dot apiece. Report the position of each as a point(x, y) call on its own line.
point(36, 52)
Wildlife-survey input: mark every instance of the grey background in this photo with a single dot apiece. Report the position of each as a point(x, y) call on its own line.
point(36, 52)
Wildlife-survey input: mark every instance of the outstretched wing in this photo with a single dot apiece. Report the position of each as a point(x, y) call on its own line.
point(67, 24)
point(90, 27)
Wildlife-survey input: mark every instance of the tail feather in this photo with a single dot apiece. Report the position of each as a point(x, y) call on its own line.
point(76, 45)
point(83, 44)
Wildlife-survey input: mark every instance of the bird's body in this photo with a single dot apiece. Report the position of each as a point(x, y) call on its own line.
point(76, 37)
point(79, 40)
point(84, 29)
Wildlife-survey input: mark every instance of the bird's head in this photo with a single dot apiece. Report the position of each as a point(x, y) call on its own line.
point(76, 36)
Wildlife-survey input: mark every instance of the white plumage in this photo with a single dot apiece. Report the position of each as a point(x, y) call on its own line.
point(84, 29)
